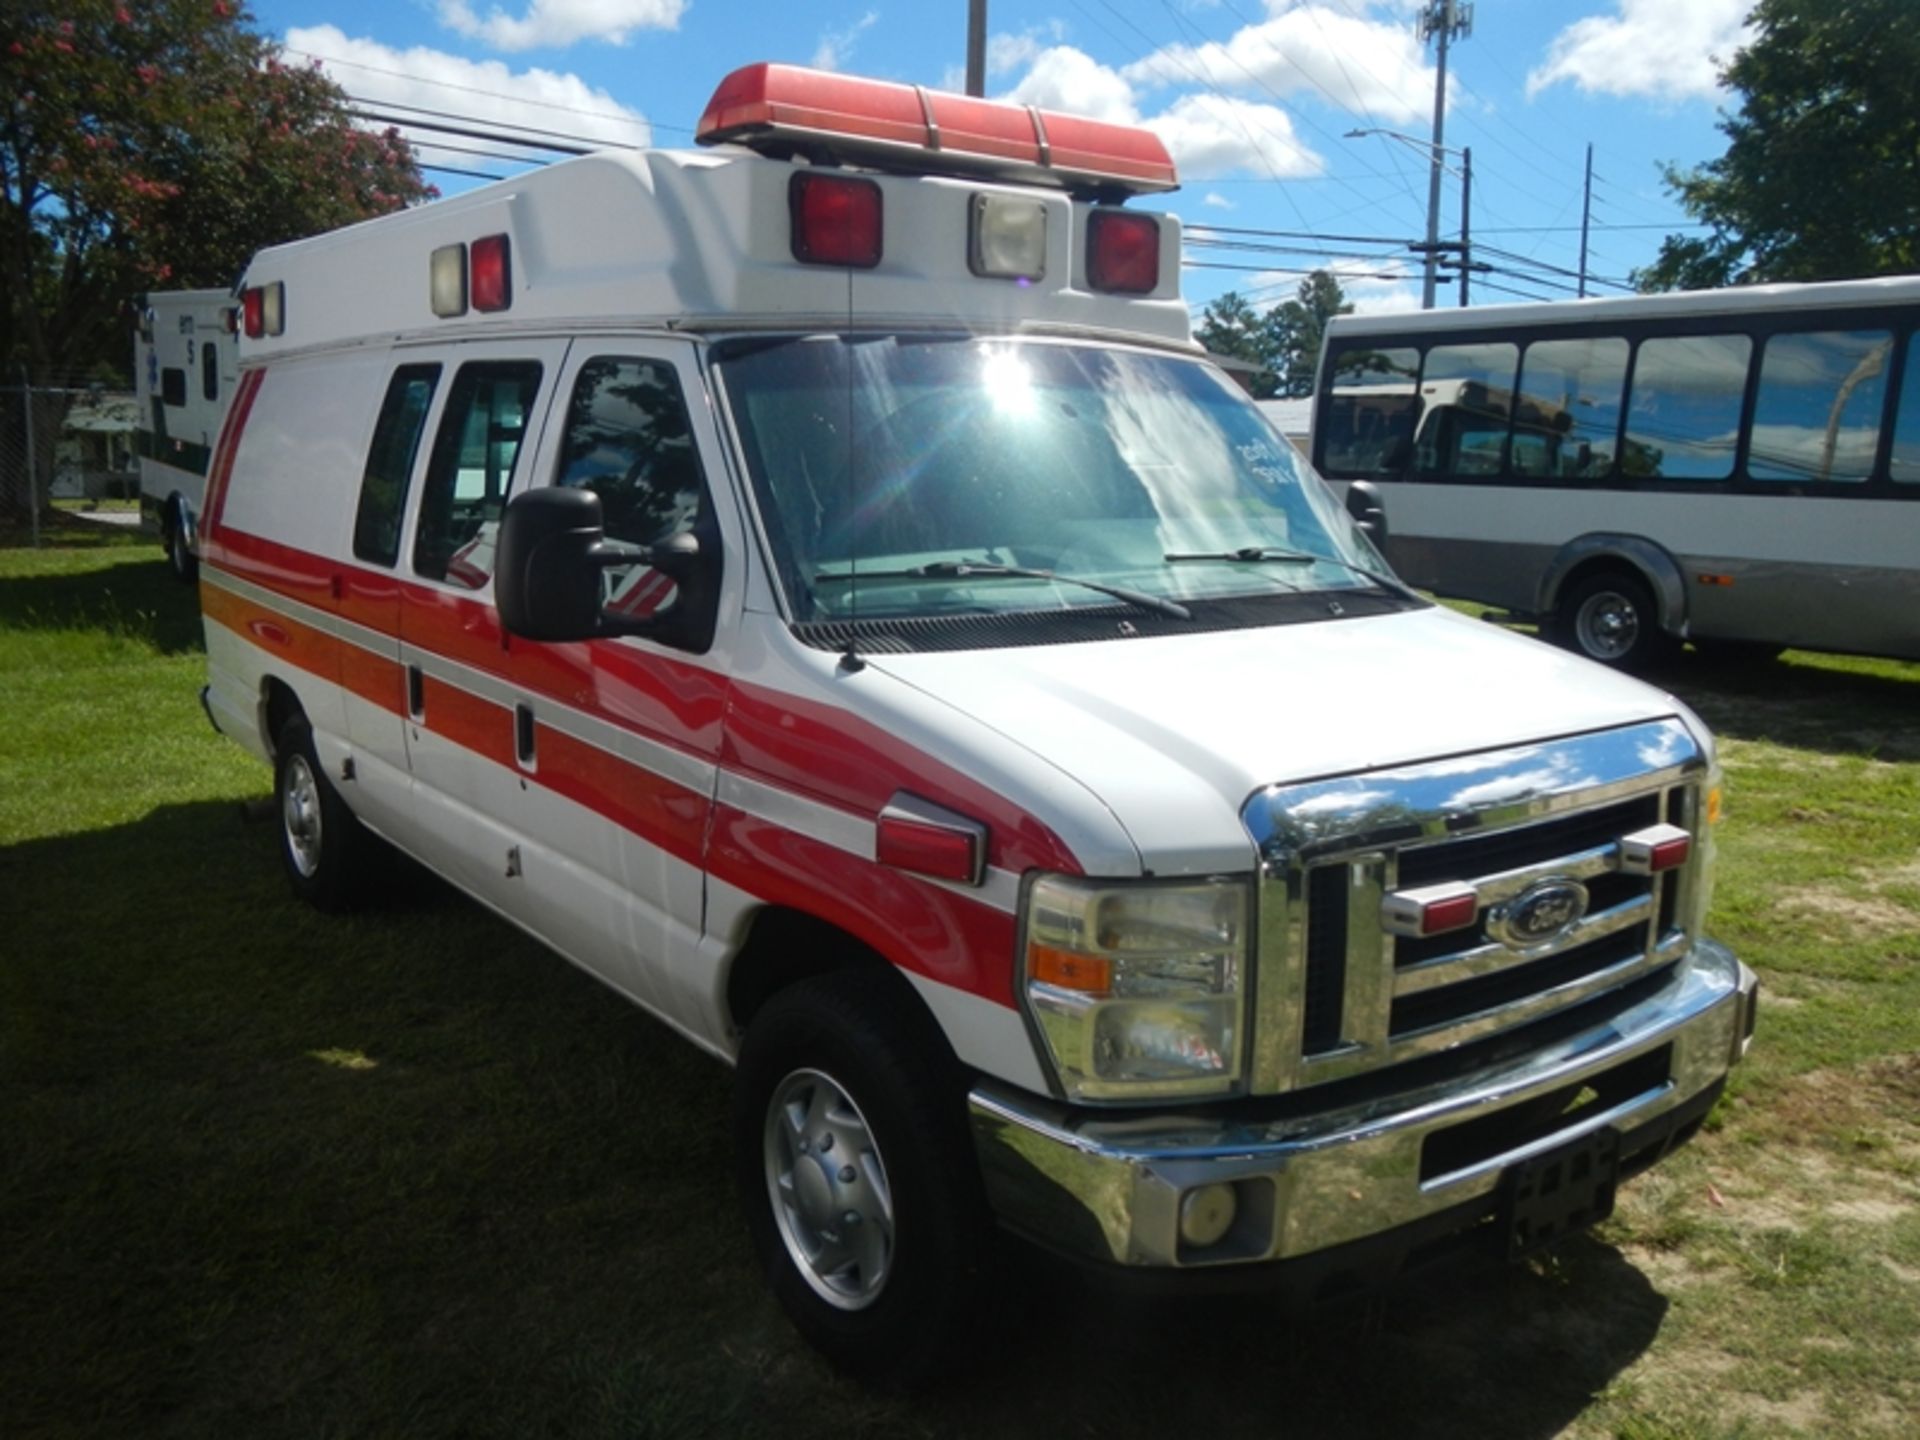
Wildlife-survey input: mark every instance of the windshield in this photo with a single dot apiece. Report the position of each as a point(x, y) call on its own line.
point(883, 465)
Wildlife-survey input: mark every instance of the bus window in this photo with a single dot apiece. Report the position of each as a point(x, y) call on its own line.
point(1818, 413)
point(1468, 394)
point(1906, 421)
point(1683, 421)
point(1567, 419)
point(1371, 412)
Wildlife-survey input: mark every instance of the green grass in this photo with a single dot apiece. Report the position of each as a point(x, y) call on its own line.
point(265, 1173)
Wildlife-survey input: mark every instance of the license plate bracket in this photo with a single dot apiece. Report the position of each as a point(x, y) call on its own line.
point(1563, 1190)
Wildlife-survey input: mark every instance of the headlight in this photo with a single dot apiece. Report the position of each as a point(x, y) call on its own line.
point(1137, 987)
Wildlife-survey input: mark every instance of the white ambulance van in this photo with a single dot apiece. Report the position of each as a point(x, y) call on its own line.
point(816, 585)
point(186, 363)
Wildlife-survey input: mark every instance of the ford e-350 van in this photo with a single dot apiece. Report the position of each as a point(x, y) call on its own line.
point(816, 585)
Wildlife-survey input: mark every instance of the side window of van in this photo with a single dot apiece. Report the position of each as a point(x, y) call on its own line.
point(396, 440)
point(471, 470)
point(628, 440)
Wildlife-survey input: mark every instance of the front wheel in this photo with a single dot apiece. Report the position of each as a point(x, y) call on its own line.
point(1611, 617)
point(860, 1191)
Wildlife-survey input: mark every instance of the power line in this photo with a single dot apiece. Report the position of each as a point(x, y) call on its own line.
point(492, 94)
point(499, 125)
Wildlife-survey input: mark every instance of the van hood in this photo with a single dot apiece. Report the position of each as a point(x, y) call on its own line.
point(1172, 734)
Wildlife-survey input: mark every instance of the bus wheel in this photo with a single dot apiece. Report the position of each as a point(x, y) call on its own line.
point(857, 1179)
point(1611, 617)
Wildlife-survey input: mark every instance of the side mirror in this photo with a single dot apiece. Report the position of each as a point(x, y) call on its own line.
point(1364, 505)
point(549, 559)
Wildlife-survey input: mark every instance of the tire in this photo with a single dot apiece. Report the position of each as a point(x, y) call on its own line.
point(325, 849)
point(1610, 617)
point(876, 1257)
point(180, 557)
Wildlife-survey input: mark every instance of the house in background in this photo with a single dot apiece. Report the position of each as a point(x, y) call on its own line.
point(1291, 418)
point(94, 456)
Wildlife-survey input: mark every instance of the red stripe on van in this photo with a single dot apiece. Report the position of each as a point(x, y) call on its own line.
point(214, 503)
point(933, 932)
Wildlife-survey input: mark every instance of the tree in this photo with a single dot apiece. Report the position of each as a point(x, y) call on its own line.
point(1819, 178)
point(1284, 342)
point(1297, 328)
point(156, 144)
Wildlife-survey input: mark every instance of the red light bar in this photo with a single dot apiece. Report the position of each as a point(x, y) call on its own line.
point(1655, 849)
point(1430, 910)
point(253, 303)
point(786, 108)
point(929, 840)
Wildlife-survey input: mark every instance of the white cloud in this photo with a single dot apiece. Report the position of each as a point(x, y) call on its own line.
point(1211, 135)
point(836, 46)
point(486, 90)
point(1662, 49)
point(1372, 67)
point(1218, 201)
point(1207, 135)
point(1007, 52)
point(558, 23)
point(1063, 78)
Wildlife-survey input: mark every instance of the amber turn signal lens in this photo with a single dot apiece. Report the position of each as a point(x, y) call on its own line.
point(1069, 970)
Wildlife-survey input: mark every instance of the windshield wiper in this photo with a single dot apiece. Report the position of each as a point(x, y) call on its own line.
point(1256, 554)
point(961, 569)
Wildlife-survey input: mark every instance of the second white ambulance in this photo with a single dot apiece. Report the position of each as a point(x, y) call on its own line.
point(816, 585)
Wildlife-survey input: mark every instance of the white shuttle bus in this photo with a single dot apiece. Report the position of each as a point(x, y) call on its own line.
point(1739, 468)
point(816, 585)
point(186, 363)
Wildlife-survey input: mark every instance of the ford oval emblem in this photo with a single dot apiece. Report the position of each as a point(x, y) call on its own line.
point(1539, 914)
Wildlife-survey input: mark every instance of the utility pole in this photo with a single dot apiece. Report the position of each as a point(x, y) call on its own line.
point(977, 47)
point(1441, 21)
point(1466, 220)
point(1586, 213)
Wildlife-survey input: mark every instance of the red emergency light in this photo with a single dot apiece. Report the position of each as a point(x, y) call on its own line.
point(1123, 251)
point(789, 109)
point(836, 219)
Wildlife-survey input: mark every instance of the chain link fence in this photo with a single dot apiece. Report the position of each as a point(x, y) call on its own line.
point(64, 444)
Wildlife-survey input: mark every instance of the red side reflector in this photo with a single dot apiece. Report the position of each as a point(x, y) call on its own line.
point(928, 839)
point(253, 302)
point(1123, 251)
point(836, 220)
point(490, 273)
point(1455, 913)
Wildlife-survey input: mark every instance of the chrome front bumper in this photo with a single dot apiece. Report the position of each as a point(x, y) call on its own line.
point(1107, 1185)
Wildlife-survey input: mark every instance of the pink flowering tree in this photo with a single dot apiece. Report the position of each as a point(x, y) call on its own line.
point(155, 144)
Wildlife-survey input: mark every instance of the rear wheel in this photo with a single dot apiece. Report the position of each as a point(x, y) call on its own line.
point(860, 1190)
point(180, 556)
point(323, 845)
point(1610, 616)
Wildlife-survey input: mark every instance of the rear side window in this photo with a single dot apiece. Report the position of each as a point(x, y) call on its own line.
point(173, 386)
point(471, 470)
point(396, 440)
point(1906, 426)
point(628, 441)
point(1817, 416)
point(209, 372)
point(1683, 421)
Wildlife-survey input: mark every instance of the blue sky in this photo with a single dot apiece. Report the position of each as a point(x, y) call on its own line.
point(1254, 97)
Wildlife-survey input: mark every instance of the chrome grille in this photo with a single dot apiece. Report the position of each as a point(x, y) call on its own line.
point(1338, 994)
